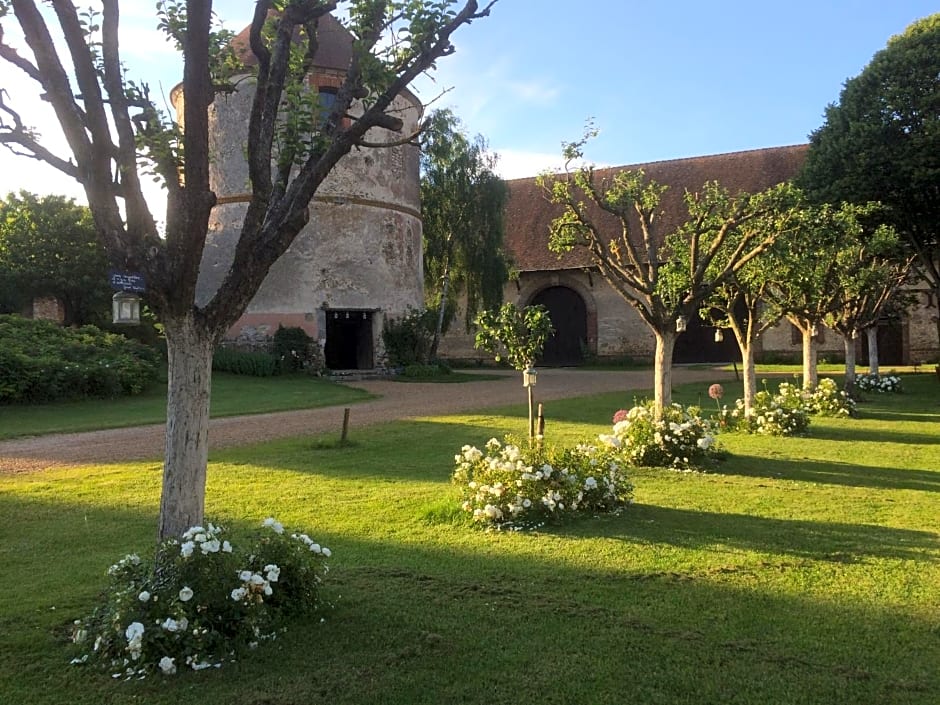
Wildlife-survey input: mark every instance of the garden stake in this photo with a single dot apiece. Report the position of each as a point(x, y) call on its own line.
point(342, 438)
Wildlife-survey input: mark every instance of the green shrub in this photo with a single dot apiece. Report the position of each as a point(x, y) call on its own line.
point(252, 364)
point(408, 339)
point(295, 351)
point(200, 601)
point(41, 362)
point(435, 369)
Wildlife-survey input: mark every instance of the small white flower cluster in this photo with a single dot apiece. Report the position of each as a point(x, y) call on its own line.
point(312, 545)
point(255, 586)
point(879, 383)
point(828, 400)
point(508, 484)
point(131, 560)
point(772, 414)
point(205, 539)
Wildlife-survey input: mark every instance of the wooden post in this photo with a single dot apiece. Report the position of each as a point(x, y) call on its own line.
point(540, 426)
point(531, 416)
point(342, 438)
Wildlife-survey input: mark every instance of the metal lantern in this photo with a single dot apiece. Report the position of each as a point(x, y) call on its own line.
point(719, 335)
point(125, 308)
point(529, 377)
point(681, 322)
point(814, 331)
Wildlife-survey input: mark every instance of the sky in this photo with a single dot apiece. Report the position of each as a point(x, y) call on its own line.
point(659, 80)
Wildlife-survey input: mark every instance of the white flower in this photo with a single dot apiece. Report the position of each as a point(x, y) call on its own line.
point(167, 666)
point(135, 630)
point(590, 484)
point(226, 547)
point(256, 579)
point(144, 596)
point(212, 546)
point(186, 594)
point(238, 594)
point(327, 552)
point(272, 572)
point(315, 547)
point(244, 575)
point(186, 549)
point(170, 625)
point(274, 525)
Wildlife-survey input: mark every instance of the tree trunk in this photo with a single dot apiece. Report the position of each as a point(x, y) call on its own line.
point(849, 343)
point(189, 348)
point(662, 370)
point(810, 375)
point(749, 375)
point(872, 335)
point(442, 307)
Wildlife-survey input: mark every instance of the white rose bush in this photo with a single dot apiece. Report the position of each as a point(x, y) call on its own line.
point(514, 486)
point(879, 383)
point(201, 600)
point(682, 439)
point(787, 413)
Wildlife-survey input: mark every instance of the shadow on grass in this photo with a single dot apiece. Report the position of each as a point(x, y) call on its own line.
point(870, 435)
point(489, 612)
point(830, 472)
point(818, 540)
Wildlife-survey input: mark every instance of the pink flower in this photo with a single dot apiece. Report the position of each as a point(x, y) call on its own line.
point(621, 415)
point(716, 391)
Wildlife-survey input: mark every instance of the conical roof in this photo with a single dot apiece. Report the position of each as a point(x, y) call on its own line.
point(334, 50)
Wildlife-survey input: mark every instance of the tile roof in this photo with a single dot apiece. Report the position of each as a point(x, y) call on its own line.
point(529, 214)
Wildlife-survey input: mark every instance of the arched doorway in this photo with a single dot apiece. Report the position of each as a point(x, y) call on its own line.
point(569, 318)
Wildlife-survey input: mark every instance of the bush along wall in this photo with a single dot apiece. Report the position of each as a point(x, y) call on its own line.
point(43, 362)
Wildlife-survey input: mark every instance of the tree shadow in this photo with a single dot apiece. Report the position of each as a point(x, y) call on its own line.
point(878, 435)
point(830, 472)
point(818, 540)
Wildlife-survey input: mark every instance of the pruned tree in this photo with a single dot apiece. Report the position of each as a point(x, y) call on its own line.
point(616, 216)
point(881, 142)
point(872, 271)
point(462, 204)
point(49, 247)
point(114, 131)
point(814, 270)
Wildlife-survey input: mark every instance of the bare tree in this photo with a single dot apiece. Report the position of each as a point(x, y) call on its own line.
point(115, 130)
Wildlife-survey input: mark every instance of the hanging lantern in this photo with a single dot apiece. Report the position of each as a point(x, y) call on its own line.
point(719, 335)
point(814, 331)
point(681, 323)
point(125, 308)
point(529, 377)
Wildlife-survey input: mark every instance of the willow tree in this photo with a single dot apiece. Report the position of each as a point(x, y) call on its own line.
point(616, 216)
point(462, 204)
point(115, 131)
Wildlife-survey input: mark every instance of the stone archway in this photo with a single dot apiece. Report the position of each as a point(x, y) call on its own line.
point(569, 317)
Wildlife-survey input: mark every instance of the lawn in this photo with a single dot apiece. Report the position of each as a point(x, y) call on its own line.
point(801, 570)
point(232, 395)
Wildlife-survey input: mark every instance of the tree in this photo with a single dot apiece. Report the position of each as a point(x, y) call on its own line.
point(115, 131)
point(49, 247)
point(872, 272)
point(813, 271)
point(881, 142)
point(617, 218)
point(462, 203)
point(519, 336)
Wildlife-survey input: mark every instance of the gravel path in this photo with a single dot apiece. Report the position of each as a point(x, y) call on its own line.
point(396, 401)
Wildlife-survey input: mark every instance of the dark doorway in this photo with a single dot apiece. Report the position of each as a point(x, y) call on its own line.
point(698, 344)
point(349, 340)
point(890, 344)
point(569, 319)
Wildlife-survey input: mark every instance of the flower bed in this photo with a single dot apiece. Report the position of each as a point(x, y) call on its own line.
point(200, 600)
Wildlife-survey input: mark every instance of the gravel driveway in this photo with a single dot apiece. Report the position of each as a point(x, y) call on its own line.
point(396, 401)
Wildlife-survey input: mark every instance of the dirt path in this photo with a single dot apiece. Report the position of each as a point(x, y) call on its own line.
point(397, 401)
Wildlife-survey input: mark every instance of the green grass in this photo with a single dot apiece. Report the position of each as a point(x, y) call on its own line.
point(232, 395)
point(801, 570)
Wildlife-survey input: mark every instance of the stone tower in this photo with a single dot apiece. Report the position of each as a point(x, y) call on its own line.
point(359, 258)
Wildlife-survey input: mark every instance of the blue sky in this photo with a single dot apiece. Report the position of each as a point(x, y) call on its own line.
point(660, 80)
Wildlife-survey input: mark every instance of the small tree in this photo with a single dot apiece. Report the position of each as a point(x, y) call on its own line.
point(462, 204)
point(519, 336)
